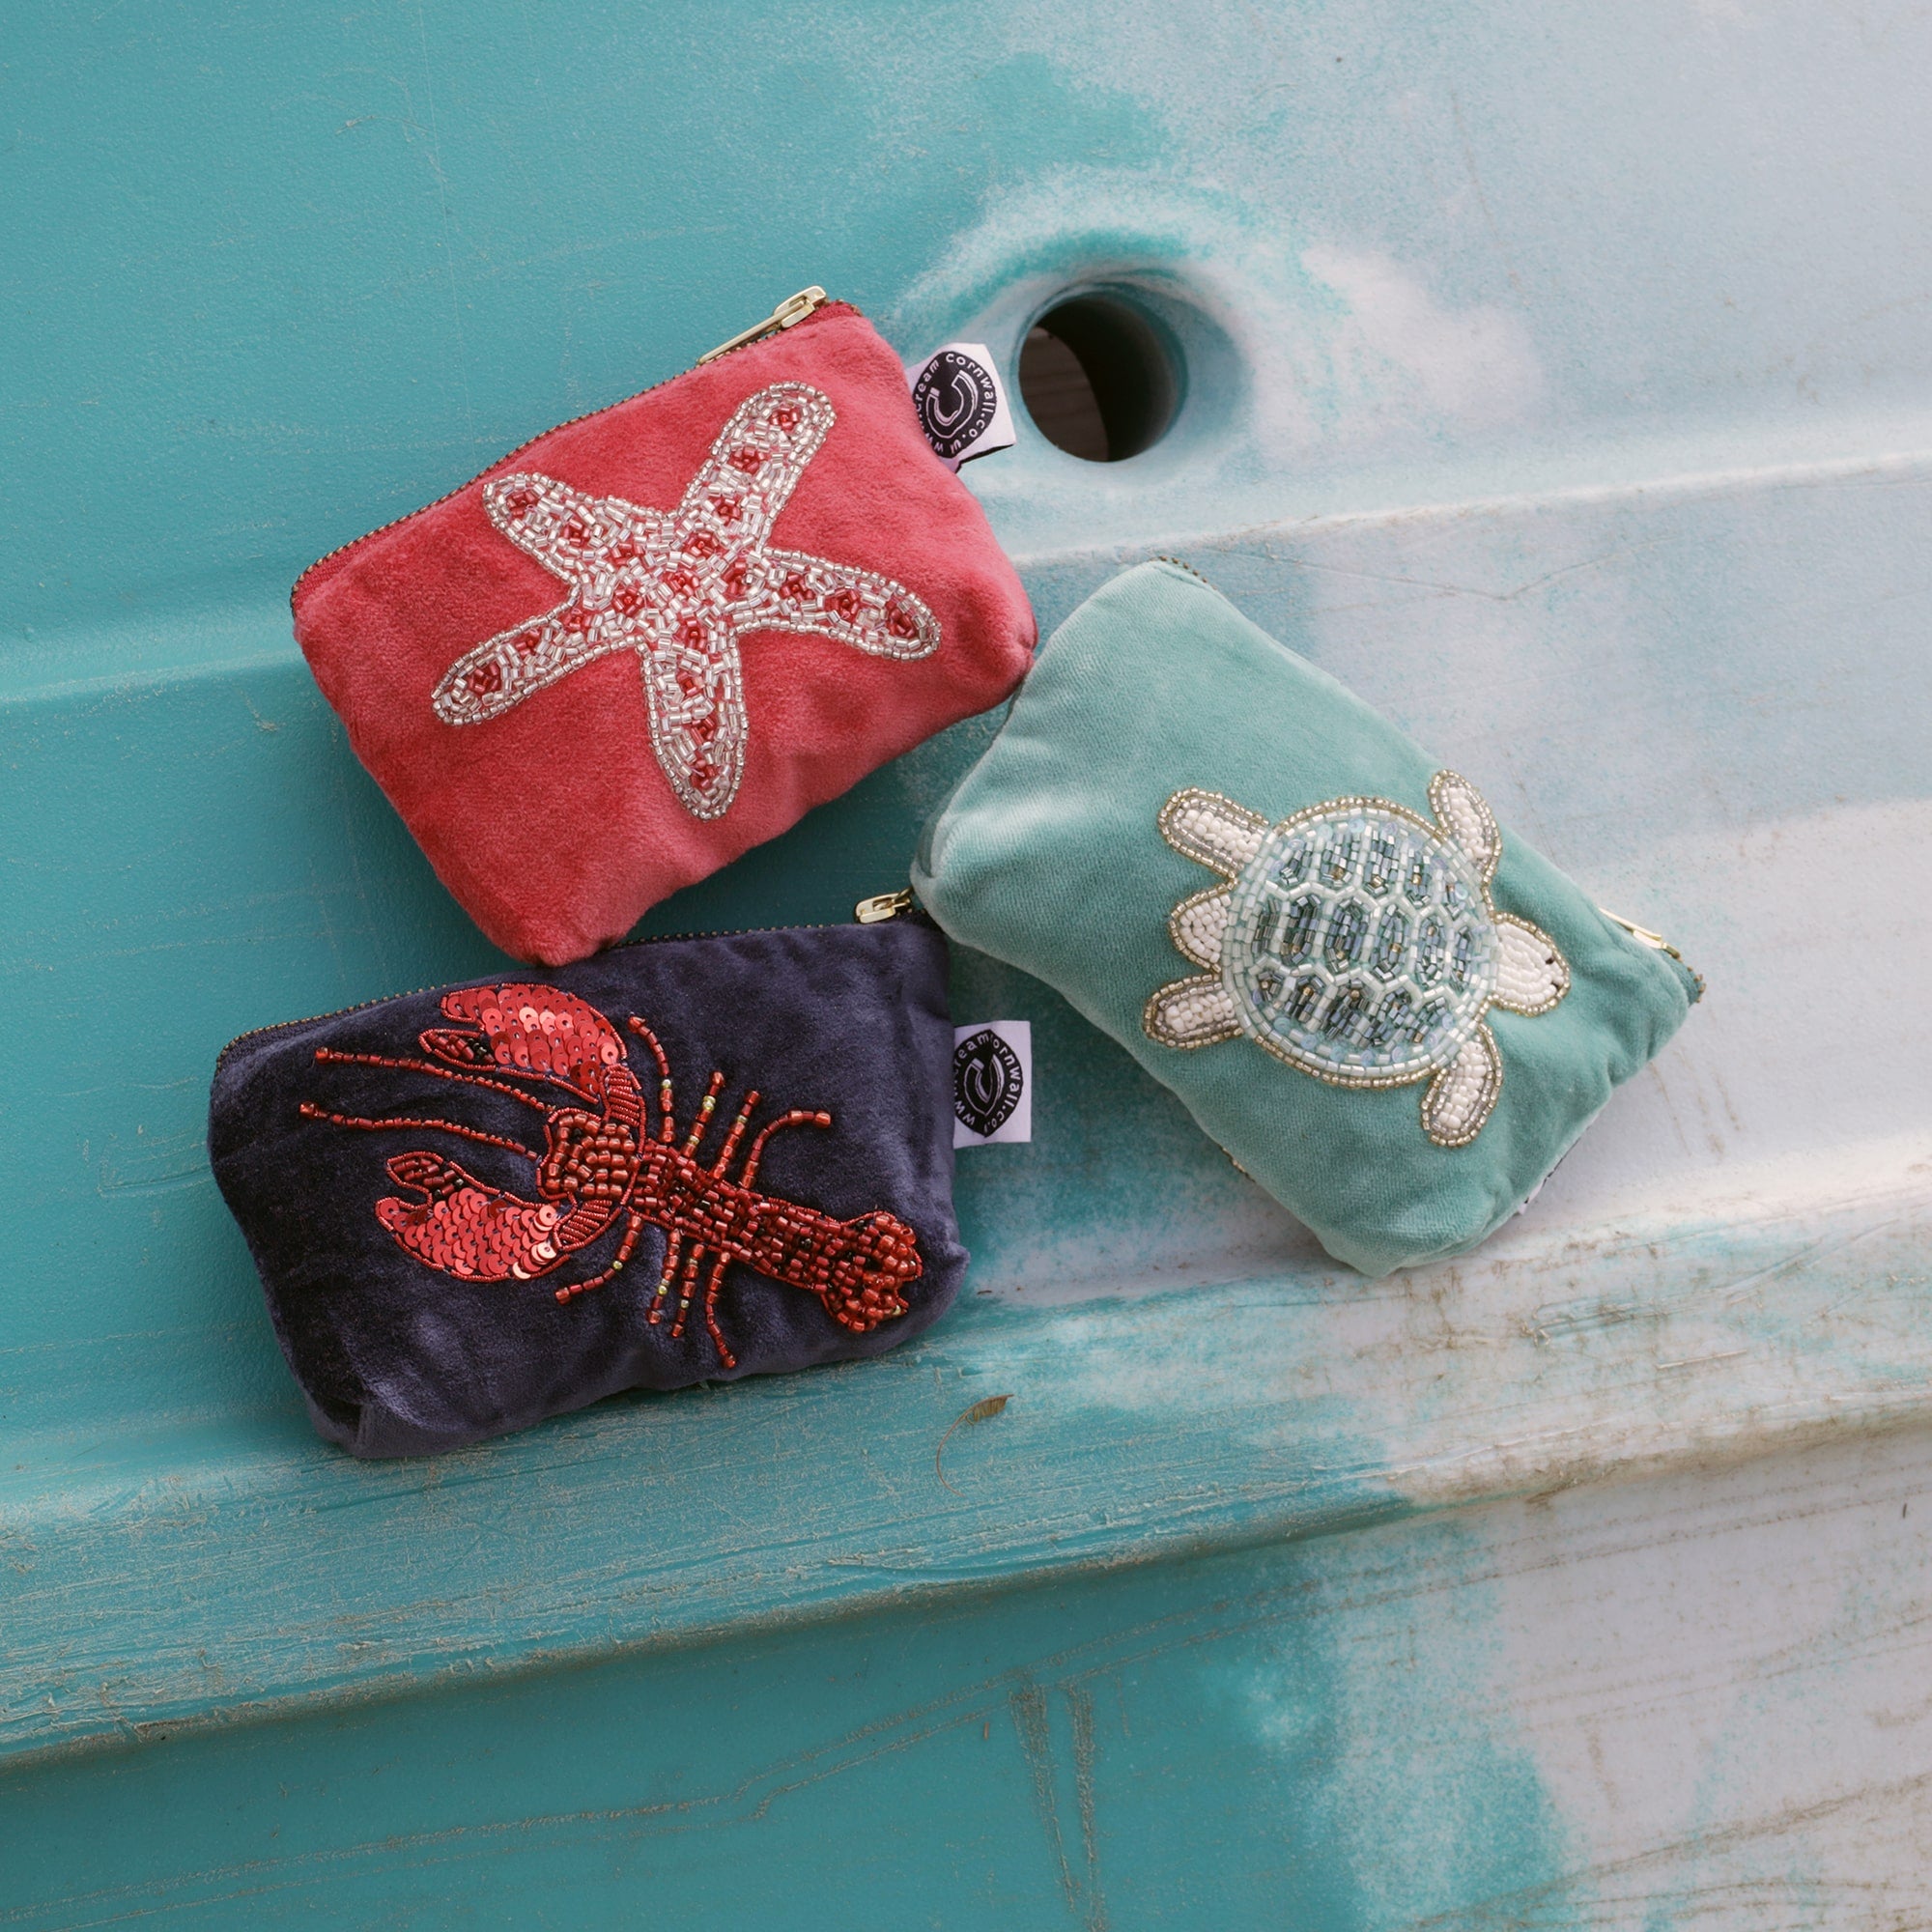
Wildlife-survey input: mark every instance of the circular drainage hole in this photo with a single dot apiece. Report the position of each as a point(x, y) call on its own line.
point(1097, 379)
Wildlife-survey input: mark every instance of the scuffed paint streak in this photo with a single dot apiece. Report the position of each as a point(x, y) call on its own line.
point(1080, 1708)
point(1032, 1712)
point(1400, 1801)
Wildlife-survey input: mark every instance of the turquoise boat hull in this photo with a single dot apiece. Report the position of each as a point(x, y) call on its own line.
point(1559, 379)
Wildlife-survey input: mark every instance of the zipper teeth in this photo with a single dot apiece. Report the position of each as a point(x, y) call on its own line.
point(510, 456)
point(625, 946)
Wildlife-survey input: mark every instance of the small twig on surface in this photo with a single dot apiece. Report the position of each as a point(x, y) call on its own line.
point(982, 1410)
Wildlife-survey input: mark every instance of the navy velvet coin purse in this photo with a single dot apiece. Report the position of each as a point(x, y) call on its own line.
point(683, 1160)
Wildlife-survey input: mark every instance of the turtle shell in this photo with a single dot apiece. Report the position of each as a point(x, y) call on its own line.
point(1359, 944)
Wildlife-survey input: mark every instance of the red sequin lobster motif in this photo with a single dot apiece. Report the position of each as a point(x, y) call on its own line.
point(600, 1165)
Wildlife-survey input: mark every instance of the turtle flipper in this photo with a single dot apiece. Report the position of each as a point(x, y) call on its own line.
point(1191, 1012)
point(1531, 974)
point(1459, 1100)
point(1212, 830)
point(1464, 814)
point(1197, 926)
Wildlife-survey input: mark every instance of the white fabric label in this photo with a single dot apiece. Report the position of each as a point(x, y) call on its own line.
point(992, 1083)
point(961, 404)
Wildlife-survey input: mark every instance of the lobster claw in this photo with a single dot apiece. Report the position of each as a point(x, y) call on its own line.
point(465, 1226)
point(536, 1030)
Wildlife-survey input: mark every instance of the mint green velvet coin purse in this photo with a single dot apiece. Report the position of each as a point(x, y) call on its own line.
point(1392, 1014)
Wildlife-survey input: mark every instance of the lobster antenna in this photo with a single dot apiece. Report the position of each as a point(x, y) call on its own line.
point(664, 1127)
point(328, 1055)
point(311, 1111)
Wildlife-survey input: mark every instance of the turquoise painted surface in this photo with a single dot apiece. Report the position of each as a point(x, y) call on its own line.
point(1558, 382)
point(276, 275)
point(1171, 1748)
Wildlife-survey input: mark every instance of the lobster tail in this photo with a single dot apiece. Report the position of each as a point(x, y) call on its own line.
point(863, 1288)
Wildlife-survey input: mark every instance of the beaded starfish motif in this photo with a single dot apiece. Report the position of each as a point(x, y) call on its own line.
point(682, 587)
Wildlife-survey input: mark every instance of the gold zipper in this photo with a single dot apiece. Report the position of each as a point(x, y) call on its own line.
point(900, 902)
point(790, 312)
point(1656, 941)
point(882, 906)
point(793, 309)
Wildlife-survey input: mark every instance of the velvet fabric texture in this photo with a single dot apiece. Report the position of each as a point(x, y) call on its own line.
point(1058, 852)
point(556, 817)
point(420, 1277)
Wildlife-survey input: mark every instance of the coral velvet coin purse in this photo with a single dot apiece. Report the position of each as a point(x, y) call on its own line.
point(683, 1160)
point(1391, 1013)
point(657, 635)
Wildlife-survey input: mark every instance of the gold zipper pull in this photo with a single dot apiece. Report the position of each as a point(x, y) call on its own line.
point(794, 308)
point(882, 906)
point(1656, 941)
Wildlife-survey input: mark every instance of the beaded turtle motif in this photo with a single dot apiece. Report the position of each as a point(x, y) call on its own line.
point(1359, 943)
